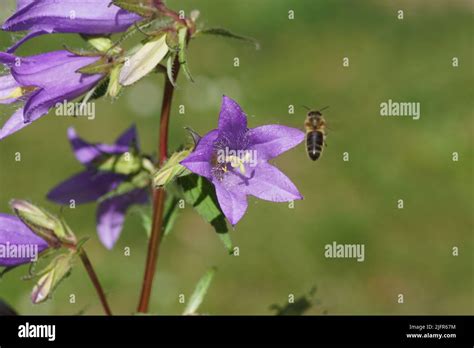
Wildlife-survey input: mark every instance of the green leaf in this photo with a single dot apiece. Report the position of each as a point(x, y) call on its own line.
point(170, 214)
point(144, 8)
point(171, 170)
point(145, 213)
point(228, 34)
point(199, 292)
point(182, 43)
point(143, 61)
point(200, 193)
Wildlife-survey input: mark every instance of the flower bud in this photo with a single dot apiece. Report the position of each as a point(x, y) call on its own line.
point(45, 225)
point(56, 271)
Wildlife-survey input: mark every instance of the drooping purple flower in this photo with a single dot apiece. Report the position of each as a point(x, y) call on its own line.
point(92, 184)
point(18, 244)
point(235, 160)
point(94, 17)
point(42, 81)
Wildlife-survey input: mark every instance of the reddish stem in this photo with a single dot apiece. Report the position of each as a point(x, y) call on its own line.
point(95, 280)
point(159, 196)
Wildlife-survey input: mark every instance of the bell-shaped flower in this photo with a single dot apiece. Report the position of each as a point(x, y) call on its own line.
point(91, 17)
point(235, 158)
point(101, 181)
point(42, 81)
point(18, 244)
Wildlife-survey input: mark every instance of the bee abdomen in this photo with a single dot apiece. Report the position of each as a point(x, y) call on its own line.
point(314, 144)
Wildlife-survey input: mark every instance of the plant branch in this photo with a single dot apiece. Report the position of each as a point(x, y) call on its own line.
point(159, 196)
point(90, 271)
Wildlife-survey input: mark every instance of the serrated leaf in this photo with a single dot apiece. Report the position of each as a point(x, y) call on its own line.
point(171, 170)
point(170, 67)
point(199, 293)
point(200, 193)
point(227, 33)
point(143, 61)
point(144, 8)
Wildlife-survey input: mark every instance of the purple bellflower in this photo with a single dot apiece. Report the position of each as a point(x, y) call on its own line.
point(92, 17)
point(92, 184)
point(235, 160)
point(18, 244)
point(42, 81)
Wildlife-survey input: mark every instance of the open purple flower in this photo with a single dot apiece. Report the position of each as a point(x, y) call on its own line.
point(42, 81)
point(235, 160)
point(18, 244)
point(94, 17)
point(93, 184)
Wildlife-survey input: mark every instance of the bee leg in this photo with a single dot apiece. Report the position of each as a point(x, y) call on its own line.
point(325, 144)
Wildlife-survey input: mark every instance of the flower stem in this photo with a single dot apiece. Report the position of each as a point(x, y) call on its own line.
point(159, 196)
point(90, 270)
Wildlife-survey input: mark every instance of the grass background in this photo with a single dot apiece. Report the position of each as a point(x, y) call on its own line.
point(408, 251)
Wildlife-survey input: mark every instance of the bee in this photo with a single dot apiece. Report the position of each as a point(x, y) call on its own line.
point(316, 133)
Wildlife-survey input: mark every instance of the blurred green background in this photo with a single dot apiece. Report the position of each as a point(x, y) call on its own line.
point(407, 251)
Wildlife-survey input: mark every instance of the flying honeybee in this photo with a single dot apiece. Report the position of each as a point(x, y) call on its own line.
point(316, 133)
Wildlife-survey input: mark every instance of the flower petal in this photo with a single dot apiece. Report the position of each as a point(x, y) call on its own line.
point(23, 3)
point(269, 183)
point(48, 70)
point(71, 16)
point(128, 138)
point(41, 101)
point(143, 61)
point(10, 90)
point(7, 59)
point(231, 118)
point(15, 123)
point(14, 233)
point(85, 152)
point(111, 215)
point(199, 161)
point(272, 140)
point(232, 202)
point(87, 186)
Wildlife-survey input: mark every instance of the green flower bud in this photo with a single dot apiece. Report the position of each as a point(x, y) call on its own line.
point(56, 271)
point(45, 225)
